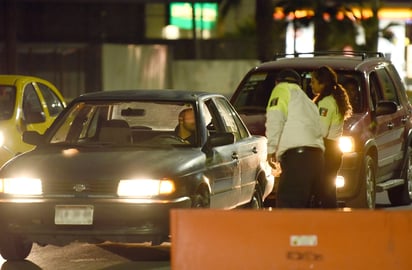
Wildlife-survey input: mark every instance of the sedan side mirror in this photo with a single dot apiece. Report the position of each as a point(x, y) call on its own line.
point(33, 137)
point(221, 138)
point(218, 139)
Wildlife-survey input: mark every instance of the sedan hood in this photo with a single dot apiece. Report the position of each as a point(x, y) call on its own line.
point(66, 163)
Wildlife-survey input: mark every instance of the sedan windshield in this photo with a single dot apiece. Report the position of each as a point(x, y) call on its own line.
point(7, 101)
point(126, 123)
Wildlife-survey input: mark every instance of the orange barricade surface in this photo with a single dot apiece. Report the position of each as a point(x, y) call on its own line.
point(291, 239)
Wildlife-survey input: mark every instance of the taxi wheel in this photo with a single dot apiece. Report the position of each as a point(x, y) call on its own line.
point(14, 247)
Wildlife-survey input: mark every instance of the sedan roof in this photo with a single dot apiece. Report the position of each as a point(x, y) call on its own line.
point(336, 62)
point(146, 94)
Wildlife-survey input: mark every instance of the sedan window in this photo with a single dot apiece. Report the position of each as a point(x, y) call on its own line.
point(230, 122)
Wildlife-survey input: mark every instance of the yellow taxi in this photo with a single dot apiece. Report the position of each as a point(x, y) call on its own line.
point(26, 103)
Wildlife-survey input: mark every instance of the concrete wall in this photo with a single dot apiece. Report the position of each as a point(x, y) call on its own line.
point(221, 76)
point(134, 67)
point(150, 67)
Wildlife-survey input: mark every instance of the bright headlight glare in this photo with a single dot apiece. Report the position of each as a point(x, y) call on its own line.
point(346, 144)
point(144, 187)
point(340, 181)
point(166, 187)
point(21, 186)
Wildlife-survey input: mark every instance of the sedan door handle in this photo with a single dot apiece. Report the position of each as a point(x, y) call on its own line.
point(254, 150)
point(390, 125)
point(404, 119)
point(235, 156)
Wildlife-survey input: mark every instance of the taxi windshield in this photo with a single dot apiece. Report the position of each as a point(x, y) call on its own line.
point(7, 101)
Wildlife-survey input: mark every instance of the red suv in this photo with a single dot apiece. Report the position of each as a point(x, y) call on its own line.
point(376, 141)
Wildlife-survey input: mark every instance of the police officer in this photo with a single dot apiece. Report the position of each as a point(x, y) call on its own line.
point(334, 107)
point(294, 140)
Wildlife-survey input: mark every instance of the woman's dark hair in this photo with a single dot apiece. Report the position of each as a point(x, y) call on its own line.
point(328, 77)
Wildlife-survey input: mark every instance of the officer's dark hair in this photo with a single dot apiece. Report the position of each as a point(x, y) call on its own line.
point(328, 77)
point(290, 76)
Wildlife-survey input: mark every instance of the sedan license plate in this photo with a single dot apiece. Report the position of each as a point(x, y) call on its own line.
point(73, 214)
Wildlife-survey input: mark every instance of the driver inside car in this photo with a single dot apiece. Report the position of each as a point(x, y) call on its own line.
point(187, 126)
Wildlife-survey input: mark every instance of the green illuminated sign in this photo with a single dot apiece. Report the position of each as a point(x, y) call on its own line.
point(205, 15)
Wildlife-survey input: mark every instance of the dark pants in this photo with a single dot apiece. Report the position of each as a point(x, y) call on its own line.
point(301, 170)
point(326, 190)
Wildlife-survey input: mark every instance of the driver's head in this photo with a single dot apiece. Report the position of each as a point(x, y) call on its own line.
point(187, 120)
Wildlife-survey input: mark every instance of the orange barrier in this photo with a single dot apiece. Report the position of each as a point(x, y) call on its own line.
point(291, 239)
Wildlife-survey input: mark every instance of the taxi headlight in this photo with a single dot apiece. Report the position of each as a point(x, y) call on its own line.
point(21, 186)
point(346, 144)
point(145, 187)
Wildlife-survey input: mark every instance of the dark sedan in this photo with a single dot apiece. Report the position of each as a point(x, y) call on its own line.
point(113, 164)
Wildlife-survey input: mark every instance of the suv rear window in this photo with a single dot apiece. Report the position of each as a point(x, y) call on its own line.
point(256, 90)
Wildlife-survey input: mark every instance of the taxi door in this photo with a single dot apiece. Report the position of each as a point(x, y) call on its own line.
point(40, 105)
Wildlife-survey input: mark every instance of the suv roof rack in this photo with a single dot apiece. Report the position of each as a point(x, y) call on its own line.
point(362, 54)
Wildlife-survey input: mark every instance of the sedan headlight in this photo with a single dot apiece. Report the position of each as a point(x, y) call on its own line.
point(145, 187)
point(346, 144)
point(21, 186)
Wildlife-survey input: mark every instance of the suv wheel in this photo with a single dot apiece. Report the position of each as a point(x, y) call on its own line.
point(366, 197)
point(401, 195)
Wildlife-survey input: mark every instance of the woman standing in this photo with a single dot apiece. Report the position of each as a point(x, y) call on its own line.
point(334, 107)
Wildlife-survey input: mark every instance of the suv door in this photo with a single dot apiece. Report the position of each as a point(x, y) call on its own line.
point(390, 128)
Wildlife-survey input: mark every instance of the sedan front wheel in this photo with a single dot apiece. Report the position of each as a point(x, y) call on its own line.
point(201, 199)
point(14, 247)
point(256, 202)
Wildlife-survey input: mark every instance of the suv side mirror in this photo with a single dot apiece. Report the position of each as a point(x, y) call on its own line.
point(386, 107)
point(32, 137)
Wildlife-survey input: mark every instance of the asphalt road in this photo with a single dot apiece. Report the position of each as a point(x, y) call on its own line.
point(81, 256)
